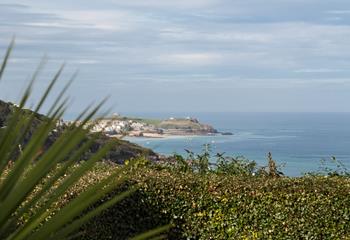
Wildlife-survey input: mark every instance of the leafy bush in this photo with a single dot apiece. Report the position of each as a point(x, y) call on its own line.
point(216, 206)
point(235, 166)
point(205, 162)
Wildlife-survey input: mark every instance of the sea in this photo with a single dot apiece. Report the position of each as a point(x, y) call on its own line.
point(299, 142)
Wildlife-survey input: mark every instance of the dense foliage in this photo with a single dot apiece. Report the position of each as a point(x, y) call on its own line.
point(217, 206)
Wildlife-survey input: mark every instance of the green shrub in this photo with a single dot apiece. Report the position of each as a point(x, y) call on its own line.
point(205, 162)
point(216, 206)
point(239, 166)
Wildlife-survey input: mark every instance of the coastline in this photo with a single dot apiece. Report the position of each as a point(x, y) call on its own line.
point(121, 126)
point(163, 136)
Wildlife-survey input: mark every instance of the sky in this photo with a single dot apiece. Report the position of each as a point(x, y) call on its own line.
point(184, 55)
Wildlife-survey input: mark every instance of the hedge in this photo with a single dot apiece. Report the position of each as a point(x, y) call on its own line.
point(216, 206)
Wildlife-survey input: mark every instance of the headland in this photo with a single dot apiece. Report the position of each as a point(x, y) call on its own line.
point(119, 126)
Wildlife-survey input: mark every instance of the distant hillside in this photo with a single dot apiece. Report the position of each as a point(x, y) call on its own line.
point(121, 150)
point(187, 124)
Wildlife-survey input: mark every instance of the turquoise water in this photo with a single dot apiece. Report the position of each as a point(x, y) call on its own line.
point(297, 140)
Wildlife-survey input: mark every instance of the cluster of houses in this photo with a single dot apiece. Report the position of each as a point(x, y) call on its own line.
point(123, 127)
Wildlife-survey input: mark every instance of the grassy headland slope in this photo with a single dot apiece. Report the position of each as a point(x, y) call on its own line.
point(187, 125)
point(150, 121)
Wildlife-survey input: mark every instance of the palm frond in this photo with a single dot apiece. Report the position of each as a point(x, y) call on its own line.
point(40, 175)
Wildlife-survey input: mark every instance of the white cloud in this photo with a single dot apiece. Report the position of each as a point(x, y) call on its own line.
point(190, 59)
point(53, 25)
point(339, 12)
point(318, 70)
point(182, 34)
point(213, 81)
point(85, 61)
point(113, 20)
point(167, 3)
